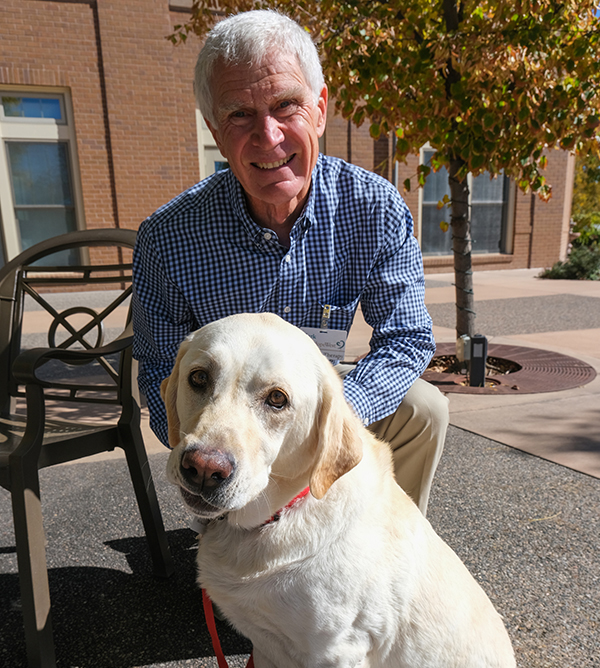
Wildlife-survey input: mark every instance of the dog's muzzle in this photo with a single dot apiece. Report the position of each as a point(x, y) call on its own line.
point(204, 475)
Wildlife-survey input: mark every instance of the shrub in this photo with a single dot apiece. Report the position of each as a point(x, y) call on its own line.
point(583, 263)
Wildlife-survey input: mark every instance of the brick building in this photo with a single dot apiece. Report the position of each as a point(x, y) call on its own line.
point(98, 128)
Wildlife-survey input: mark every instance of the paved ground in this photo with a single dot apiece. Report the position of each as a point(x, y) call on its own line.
point(526, 527)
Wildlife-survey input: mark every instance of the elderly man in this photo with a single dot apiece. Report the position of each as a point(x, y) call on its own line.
point(293, 232)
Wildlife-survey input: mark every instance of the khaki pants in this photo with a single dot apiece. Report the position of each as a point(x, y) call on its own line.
point(416, 433)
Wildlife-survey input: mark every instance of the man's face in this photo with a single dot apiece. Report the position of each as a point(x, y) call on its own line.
point(268, 127)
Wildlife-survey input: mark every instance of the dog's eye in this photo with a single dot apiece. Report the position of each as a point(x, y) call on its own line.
point(199, 379)
point(277, 399)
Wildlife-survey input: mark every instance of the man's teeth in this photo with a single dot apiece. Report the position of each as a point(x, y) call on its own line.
point(272, 165)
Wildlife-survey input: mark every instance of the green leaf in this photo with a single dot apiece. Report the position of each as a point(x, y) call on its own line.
point(406, 185)
point(489, 120)
point(402, 146)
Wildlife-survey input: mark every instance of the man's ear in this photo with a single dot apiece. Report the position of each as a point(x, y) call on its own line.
point(339, 444)
point(214, 131)
point(322, 111)
point(168, 392)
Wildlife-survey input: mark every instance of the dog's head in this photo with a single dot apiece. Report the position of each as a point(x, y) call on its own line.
point(255, 413)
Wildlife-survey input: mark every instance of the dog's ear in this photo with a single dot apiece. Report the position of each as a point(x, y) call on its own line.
point(339, 444)
point(168, 392)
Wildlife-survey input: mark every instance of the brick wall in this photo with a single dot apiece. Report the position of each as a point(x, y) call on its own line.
point(148, 116)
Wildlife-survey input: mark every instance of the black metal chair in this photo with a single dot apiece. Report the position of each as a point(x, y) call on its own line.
point(75, 366)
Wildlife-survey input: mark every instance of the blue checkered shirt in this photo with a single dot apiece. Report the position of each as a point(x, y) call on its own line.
point(201, 257)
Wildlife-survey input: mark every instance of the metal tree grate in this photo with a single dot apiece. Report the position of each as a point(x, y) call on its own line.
point(541, 371)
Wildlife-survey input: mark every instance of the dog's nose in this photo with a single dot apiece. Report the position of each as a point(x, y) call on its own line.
point(206, 469)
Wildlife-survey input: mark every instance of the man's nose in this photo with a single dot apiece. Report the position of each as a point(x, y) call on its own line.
point(267, 132)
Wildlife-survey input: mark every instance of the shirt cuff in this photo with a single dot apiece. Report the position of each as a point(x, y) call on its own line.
point(358, 398)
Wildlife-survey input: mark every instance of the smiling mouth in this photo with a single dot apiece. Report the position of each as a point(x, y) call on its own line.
point(274, 165)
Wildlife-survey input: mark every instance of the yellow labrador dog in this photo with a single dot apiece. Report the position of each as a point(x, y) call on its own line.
point(351, 574)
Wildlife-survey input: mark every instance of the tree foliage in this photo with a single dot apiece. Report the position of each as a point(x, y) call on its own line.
point(491, 85)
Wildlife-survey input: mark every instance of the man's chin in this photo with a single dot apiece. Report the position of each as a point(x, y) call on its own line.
point(200, 506)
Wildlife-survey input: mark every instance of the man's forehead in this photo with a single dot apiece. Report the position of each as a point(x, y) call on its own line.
point(280, 77)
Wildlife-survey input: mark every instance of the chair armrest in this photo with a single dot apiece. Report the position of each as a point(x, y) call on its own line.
point(25, 365)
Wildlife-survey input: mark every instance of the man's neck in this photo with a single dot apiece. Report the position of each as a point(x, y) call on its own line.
point(280, 219)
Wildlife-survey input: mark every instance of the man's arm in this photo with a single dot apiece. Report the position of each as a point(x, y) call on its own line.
point(393, 304)
point(161, 320)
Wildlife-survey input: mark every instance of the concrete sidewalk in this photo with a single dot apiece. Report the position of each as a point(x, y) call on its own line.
point(516, 308)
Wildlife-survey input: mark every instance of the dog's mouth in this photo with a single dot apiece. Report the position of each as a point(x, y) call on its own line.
point(199, 505)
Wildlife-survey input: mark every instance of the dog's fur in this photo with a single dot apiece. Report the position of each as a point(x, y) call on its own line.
point(350, 576)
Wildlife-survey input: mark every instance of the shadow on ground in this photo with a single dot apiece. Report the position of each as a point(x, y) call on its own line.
point(107, 618)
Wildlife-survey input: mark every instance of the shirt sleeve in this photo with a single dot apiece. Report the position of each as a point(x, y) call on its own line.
point(393, 304)
point(161, 320)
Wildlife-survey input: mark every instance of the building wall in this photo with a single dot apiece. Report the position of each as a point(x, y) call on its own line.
point(134, 110)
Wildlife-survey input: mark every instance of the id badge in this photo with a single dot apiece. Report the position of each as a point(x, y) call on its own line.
point(331, 342)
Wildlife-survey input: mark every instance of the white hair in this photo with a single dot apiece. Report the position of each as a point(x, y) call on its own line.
point(247, 39)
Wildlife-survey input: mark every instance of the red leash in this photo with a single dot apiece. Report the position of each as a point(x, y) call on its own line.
point(207, 603)
point(212, 629)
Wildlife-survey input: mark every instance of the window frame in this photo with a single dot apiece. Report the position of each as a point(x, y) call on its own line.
point(507, 225)
point(25, 129)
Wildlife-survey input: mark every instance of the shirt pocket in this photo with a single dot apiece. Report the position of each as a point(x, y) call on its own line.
point(340, 316)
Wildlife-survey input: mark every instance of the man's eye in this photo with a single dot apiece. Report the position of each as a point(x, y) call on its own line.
point(237, 117)
point(287, 106)
point(198, 379)
point(277, 399)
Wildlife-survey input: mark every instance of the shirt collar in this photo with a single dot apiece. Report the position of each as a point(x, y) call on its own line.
point(255, 231)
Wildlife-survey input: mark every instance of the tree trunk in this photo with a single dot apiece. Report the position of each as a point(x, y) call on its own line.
point(461, 247)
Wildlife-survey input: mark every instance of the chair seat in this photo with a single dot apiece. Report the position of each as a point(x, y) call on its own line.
point(12, 428)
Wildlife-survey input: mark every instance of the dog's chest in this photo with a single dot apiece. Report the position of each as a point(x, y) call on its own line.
point(291, 598)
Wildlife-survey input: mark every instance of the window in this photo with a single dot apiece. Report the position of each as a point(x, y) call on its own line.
point(38, 199)
point(16, 106)
point(490, 206)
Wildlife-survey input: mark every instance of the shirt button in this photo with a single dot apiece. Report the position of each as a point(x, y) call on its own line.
point(288, 259)
point(267, 236)
point(287, 309)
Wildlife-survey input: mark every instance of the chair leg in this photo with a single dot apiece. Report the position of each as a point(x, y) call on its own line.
point(33, 572)
point(145, 492)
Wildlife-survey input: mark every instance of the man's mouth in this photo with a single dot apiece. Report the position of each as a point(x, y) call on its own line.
point(273, 165)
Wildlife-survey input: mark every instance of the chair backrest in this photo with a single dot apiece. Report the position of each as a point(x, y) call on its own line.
point(71, 291)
